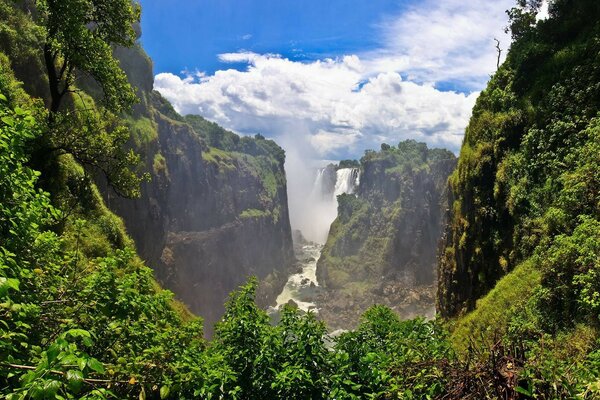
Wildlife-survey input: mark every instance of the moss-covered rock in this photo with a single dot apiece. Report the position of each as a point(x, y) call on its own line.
point(383, 243)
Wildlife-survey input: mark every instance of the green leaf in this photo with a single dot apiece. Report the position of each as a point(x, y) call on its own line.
point(164, 392)
point(81, 363)
point(8, 120)
point(77, 333)
point(8, 283)
point(69, 359)
point(524, 391)
point(95, 365)
point(51, 388)
point(3, 97)
point(74, 380)
point(52, 353)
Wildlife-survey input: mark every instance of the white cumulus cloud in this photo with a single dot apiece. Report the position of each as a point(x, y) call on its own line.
point(340, 107)
point(330, 104)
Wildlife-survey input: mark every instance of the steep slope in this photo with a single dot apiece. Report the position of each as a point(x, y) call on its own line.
point(521, 257)
point(528, 170)
point(215, 211)
point(382, 246)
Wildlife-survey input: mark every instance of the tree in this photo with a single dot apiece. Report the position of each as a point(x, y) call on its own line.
point(79, 36)
point(79, 40)
point(523, 17)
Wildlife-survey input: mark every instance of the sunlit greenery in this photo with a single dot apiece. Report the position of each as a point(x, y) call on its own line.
point(81, 316)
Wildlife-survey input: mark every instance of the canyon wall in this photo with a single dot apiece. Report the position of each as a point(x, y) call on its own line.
point(215, 210)
point(382, 246)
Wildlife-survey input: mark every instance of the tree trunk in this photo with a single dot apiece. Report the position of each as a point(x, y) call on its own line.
point(53, 82)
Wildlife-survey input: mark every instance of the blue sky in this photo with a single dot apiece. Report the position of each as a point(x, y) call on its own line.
point(189, 34)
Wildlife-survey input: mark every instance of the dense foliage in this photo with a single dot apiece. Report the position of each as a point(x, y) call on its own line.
point(82, 317)
point(521, 247)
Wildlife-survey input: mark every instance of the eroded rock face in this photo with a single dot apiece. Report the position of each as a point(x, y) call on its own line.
point(214, 213)
point(382, 247)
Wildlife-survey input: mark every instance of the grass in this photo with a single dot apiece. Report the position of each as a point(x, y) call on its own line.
point(159, 165)
point(254, 213)
point(493, 312)
point(223, 160)
point(143, 131)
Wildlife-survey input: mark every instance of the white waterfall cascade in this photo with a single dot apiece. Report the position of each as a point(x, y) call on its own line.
point(347, 181)
point(318, 185)
point(302, 287)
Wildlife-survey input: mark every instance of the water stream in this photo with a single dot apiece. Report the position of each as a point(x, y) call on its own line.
point(302, 287)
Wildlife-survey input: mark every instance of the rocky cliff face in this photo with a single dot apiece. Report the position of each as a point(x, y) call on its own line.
point(382, 246)
point(215, 210)
point(512, 191)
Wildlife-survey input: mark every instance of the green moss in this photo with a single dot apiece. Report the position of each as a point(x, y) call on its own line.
point(223, 160)
point(159, 165)
point(143, 131)
point(254, 213)
point(493, 313)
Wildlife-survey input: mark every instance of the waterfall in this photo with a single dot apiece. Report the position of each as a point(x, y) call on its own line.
point(347, 181)
point(302, 288)
point(318, 186)
point(320, 201)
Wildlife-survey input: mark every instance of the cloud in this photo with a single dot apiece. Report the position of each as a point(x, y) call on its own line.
point(444, 40)
point(351, 103)
point(338, 108)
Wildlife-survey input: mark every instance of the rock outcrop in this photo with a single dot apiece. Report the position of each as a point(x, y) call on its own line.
point(215, 210)
point(382, 246)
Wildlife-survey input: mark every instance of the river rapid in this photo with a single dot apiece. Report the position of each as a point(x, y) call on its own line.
point(302, 287)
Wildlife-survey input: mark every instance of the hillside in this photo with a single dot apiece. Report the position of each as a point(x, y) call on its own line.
point(526, 175)
point(521, 254)
point(83, 317)
point(215, 210)
point(381, 249)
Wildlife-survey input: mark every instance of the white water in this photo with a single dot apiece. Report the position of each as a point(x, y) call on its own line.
point(321, 202)
point(303, 286)
point(317, 189)
point(347, 180)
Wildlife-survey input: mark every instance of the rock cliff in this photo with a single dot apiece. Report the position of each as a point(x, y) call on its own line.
point(382, 246)
point(215, 210)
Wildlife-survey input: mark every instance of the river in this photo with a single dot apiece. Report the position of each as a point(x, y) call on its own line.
point(302, 287)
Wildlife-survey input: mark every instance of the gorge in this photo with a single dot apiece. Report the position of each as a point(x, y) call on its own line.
point(146, 254)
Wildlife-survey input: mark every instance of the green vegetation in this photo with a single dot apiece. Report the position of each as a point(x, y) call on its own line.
point(219, 158)
point(143, 131)
point(363, 242)
point(521, 256)
point(254, 213)
point(159, 165)
point(81, 316)
point(71, 46)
